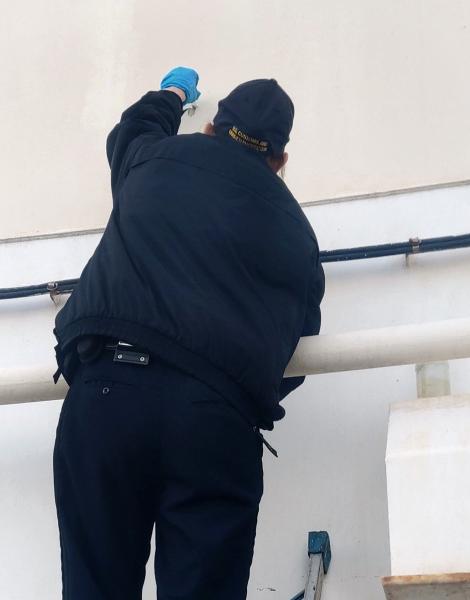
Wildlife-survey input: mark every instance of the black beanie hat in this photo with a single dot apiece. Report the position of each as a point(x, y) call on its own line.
point(258, 114)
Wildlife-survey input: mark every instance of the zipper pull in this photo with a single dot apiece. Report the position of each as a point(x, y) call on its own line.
point(267, 444)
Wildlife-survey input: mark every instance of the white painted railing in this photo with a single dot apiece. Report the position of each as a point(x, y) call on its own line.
point(385, 347)
point(367, 349)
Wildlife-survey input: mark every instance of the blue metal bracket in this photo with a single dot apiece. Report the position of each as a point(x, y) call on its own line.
point(319, 543)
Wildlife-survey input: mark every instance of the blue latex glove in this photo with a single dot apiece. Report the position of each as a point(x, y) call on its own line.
point(185, 79)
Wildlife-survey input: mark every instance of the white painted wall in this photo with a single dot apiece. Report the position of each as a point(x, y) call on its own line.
point(331, 468)
point(381, 91)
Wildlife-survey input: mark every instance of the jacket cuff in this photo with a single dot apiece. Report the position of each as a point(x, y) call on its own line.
point(174, 95)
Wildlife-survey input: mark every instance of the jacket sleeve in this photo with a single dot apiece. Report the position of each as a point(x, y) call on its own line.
point(312, 320)
point(155, 116)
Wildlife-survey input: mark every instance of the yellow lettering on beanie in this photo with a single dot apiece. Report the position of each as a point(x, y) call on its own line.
point(243, 138)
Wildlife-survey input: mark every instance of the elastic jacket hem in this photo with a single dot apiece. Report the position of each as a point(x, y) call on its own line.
point(165, 348)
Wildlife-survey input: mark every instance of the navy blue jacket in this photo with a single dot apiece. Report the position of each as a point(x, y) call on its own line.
point(207, 260)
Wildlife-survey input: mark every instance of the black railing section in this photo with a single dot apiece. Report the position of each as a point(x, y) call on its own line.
point(412, 246)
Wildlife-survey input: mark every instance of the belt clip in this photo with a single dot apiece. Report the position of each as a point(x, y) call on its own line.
point(124, 354)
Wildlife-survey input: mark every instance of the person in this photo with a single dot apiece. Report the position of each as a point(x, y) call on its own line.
point(174, 344)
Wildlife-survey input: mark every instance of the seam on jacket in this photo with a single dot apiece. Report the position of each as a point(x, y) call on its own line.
point(229, 179)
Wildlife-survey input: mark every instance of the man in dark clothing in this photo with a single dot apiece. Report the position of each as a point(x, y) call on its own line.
point(174, 344)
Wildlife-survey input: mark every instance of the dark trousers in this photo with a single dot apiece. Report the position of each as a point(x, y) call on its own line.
point(137, 445)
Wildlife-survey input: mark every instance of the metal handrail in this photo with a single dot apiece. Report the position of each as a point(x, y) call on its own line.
point(412, 246)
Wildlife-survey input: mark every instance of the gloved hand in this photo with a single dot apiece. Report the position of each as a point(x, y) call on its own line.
point(185, 79)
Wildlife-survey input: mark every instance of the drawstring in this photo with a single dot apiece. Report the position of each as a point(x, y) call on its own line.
point(267, 444)
point(56, 375)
